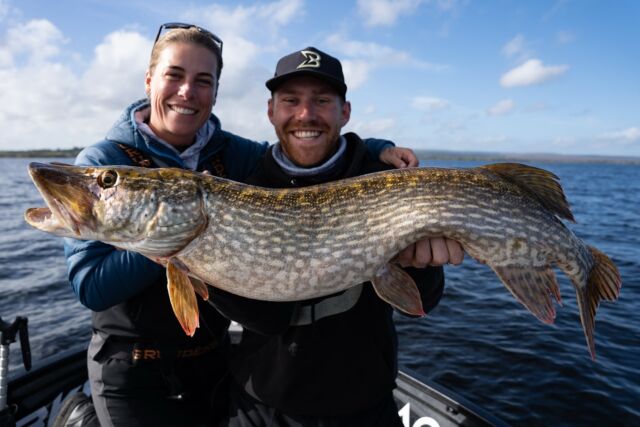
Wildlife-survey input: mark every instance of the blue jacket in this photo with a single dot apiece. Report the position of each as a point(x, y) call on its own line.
point(102, 276)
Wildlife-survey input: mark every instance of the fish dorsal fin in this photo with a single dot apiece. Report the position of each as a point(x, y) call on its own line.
point(543, 185)
point(397, 287)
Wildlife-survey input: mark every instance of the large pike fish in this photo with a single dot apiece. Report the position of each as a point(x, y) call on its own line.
point(294, 244)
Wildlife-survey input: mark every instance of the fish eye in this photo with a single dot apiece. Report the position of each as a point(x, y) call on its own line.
point(107, 179)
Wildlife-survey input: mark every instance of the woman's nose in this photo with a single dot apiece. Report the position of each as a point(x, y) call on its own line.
point(186, 90)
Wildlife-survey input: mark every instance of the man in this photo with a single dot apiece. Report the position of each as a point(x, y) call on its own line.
point(330, 361)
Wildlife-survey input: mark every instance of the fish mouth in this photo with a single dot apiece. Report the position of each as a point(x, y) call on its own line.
point(67, 192)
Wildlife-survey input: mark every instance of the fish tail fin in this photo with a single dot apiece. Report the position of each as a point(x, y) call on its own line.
point(603, 283)
point(183, 298)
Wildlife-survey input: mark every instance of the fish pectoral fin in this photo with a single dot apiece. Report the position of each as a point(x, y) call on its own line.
point(397, 287)
point(183, 298)
point(200, 287)
point(533, 288)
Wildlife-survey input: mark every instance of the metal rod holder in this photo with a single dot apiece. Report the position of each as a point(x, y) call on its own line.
point(8, 332)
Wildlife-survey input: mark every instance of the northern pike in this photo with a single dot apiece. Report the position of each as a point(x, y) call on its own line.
point(296, 244)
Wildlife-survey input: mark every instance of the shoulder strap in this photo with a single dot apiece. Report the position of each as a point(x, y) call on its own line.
point(143, 160)
point(137, 157)
point(217, 166)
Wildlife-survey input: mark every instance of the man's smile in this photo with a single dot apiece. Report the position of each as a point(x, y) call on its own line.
point(306, 134)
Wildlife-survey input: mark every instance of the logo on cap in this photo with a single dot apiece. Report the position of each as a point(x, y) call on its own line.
point(312, 59)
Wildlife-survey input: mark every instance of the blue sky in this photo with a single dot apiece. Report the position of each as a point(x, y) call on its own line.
point(554, 76)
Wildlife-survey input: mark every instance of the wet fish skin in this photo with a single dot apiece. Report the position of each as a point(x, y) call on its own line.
point(297, 244)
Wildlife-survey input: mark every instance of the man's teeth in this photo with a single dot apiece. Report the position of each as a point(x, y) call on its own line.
point(306, 134)
point(183, 110)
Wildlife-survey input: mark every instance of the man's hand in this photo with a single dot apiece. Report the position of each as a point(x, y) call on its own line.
point(434, 251)
point(399, 157)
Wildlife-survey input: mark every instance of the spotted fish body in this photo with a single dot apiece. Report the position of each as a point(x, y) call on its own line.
point(295, 244)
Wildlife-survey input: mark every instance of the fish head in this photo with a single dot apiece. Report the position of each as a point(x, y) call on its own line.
point(152, 211)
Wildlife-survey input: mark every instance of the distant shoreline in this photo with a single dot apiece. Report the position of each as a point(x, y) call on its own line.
point(425, 155)
point(524, 157)
point(20, 154)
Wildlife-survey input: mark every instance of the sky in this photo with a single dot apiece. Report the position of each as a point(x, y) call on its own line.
point(545, 76)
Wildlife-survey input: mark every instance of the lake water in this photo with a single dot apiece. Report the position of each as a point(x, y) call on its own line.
point(478, 342)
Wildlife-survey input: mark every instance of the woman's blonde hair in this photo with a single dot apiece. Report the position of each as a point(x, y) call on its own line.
point(192, 35)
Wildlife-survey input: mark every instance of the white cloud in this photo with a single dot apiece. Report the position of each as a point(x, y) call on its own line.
point(356, 72)
point(556, 9)
point(515, 46)
point(374, 52)
point(369, 109)
point(429, 104)
point(46, 103)
point(565, 37)
point(629, 135)
point(385, 12)
point(503, 107)
point(34, 41)
point(249, 32)
point(118, 69)
point(282, 12)
point(359, 59)
point(530, 73)
point(261, 21)
point(380, 128)
point(4, 9)
point(49, 103)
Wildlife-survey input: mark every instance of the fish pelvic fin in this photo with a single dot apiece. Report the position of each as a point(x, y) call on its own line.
point(541, 184)
point(603, 283)
point(200, 288)
point(397, 287)
point(183, 298)
point(533, 287)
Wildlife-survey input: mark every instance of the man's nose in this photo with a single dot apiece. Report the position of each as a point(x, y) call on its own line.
point(307, 111)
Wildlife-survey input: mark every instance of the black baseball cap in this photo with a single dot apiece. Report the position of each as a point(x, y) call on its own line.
point(309, 61)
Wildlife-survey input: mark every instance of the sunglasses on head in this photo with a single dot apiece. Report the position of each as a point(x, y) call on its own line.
point(179, 25)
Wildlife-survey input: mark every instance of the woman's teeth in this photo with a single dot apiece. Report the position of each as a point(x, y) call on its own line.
point(182, 110)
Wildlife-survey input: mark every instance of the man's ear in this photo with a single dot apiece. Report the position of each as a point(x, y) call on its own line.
point(270, 110)
point(346, 112)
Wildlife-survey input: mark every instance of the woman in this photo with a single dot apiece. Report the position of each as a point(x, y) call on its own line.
point(143, 369)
